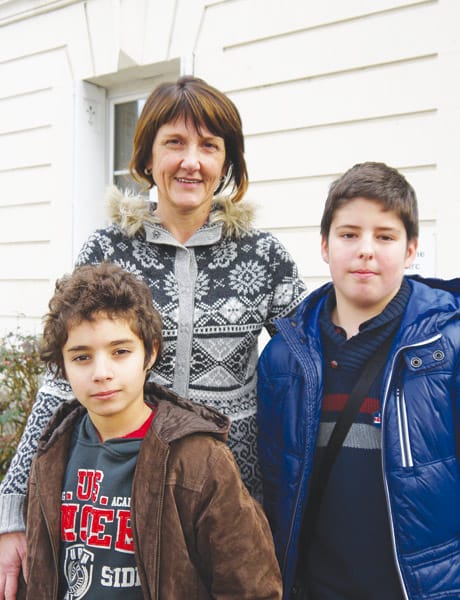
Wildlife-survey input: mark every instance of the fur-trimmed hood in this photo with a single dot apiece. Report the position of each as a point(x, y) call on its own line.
point(130, 212)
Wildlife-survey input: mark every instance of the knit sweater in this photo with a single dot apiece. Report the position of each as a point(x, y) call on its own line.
point(350, 552)
point(215, 294)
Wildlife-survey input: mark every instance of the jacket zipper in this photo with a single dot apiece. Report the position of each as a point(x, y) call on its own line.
point(158, 526)
point(156, 594)
point(56, 564)
point(405, 446)
point(293, 342)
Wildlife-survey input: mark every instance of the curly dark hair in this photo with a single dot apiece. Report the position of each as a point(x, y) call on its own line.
point(89, 291)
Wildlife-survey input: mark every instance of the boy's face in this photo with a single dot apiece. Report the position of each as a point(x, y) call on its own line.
point(104, 364)
point(367, 251)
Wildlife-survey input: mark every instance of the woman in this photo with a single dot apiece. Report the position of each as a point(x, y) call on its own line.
point(216, 281)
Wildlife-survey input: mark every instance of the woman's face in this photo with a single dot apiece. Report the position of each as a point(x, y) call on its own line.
point(187, 166)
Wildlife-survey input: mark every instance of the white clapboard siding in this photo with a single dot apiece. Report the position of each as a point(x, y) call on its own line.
point(338, 46)
point(26, 185)
point(320, 87)
point(64, 29)
point(26, 223)
point(36, 157)
point(334, 148)
point(341, 97)
point(261, 19)
point(24, 310)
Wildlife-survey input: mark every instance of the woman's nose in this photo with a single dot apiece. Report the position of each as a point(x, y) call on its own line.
point(190, 160)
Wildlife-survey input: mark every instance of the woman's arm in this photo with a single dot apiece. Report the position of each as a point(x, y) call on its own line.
point(14, 485)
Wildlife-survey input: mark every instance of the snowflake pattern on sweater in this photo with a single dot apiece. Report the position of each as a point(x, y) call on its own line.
point(215, 294)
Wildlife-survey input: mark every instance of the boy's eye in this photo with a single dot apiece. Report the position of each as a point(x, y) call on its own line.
point(80, 358)
point(121, 351)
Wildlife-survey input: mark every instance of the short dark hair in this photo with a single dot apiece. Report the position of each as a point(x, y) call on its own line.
point(92, 290)
point(202, 105)
point(374, 181)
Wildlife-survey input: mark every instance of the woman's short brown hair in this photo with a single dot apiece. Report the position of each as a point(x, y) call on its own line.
point(202, 105)
point(92, 290)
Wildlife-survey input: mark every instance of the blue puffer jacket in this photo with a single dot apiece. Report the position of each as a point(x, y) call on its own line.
point(420, 435)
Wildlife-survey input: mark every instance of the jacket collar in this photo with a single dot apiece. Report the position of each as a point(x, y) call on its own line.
point(133, 214)
point(175, 418)
point(432, 300)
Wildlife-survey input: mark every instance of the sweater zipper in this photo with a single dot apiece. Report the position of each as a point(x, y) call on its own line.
point(405, 446)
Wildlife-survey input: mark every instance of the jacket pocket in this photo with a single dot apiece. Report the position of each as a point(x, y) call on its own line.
point(434, 574)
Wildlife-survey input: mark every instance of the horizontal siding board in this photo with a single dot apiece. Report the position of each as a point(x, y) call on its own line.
point(26, 223)
point(32, 301)
point(405, 141)
point(26, 185)
point(40, 36)
point(344, 46)
point(259, 19)
point(31, 73)
point(26, 148)
point(25, 261)
point(349, 96)
point(282, 203)
point(27, 111)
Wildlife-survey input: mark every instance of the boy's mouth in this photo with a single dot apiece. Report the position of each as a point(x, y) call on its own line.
point(105, 395)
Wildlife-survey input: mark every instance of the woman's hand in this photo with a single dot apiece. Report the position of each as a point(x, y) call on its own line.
point(12, 558)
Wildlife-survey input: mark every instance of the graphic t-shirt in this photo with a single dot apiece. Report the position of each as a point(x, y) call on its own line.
point(97, 550)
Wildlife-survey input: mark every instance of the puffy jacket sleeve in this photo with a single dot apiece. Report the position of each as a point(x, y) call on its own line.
point(234, 543)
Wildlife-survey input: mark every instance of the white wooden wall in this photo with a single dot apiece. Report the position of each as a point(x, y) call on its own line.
point(324, 85)
point(320, 86)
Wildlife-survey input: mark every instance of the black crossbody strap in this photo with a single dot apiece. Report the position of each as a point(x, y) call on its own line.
point(344, 422)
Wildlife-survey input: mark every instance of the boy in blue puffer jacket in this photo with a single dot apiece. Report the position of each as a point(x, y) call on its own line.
point(387, 524)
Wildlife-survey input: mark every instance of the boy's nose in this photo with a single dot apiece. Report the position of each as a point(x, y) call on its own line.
point(102, 370)
point(366, 250)
point(366, 254)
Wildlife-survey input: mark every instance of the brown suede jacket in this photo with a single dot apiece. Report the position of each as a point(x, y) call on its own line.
point(197, 532)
